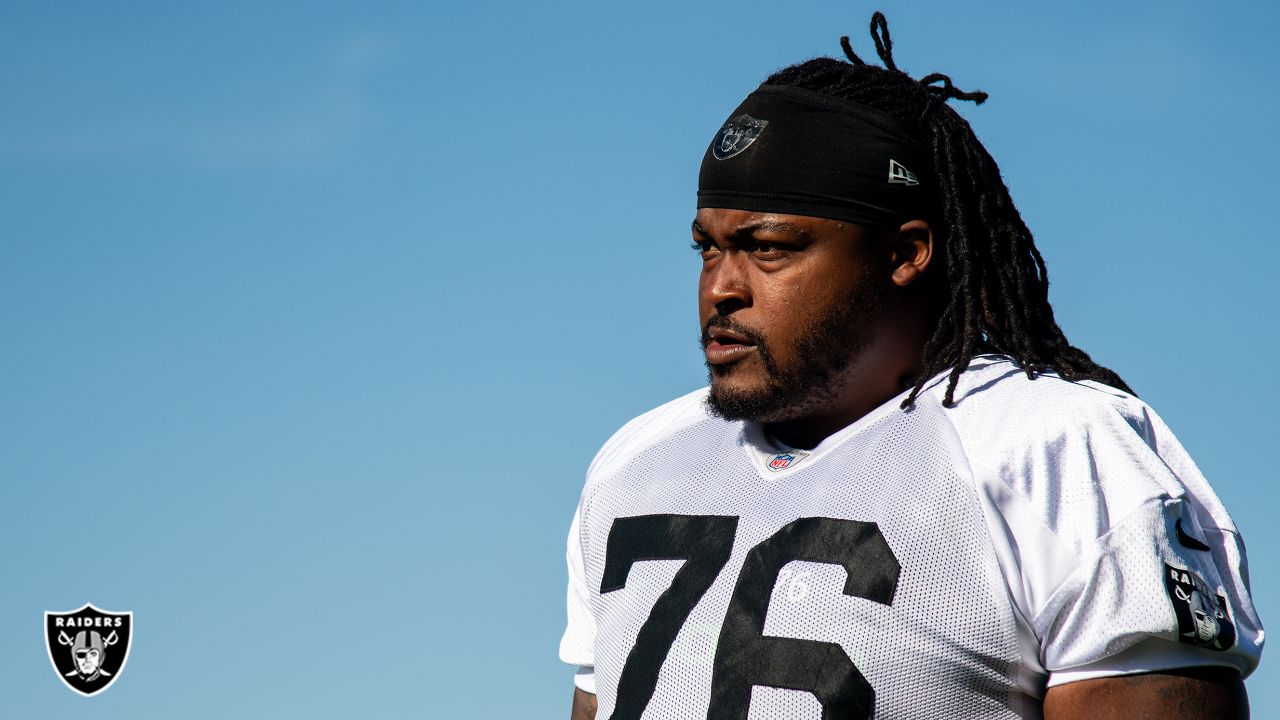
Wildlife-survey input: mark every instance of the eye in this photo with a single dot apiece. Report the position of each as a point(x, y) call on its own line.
point(703, 247)
point(770, 251)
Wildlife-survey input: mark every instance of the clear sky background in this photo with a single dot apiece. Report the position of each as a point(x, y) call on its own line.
point(312, 315)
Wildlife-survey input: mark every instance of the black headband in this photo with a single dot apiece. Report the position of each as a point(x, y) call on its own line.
point(795, 151)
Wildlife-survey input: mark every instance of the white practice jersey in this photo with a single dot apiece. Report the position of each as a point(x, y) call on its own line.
point(931, 563)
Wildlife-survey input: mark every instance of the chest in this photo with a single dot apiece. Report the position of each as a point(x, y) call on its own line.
point(860, 581)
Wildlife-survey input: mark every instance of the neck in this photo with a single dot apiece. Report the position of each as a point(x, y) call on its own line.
point(876, 376)
point(807, 432)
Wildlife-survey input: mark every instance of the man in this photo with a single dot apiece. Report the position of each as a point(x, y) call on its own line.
point(905, 493)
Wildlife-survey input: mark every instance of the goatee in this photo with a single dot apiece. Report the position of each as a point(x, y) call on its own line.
point(823, 353)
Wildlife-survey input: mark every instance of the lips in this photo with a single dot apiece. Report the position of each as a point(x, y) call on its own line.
point(723, 345)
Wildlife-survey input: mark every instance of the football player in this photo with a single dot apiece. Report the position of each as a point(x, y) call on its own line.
point(905, 494)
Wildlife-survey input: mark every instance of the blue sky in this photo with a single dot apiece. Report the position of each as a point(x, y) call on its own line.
point(314, 314)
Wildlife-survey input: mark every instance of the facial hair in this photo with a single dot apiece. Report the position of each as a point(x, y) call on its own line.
point(823, 353)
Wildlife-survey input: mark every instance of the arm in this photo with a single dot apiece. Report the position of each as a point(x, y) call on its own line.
point(584, 706)
point(1212, 693)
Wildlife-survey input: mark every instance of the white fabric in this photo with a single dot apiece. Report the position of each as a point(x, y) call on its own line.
point(585, 679)
point(1034, 524)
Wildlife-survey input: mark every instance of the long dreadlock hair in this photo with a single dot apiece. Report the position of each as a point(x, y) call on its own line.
point(997, 286)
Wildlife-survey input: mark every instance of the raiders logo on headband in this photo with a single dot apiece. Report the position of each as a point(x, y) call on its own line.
point(736, 135)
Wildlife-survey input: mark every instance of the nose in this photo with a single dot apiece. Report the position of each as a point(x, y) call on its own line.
point(724, 284)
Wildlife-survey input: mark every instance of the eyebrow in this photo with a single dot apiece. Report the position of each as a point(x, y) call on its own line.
point(767, 225)
point(774, 225)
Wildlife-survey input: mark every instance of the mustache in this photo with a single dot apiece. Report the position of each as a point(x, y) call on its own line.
point(724, 323)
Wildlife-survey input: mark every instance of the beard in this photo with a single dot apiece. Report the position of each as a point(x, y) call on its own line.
point(824, 351)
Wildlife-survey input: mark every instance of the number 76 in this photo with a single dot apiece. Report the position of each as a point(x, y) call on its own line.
point(745, 656)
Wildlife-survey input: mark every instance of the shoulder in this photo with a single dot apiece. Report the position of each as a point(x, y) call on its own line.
point(993, 387)
point(1081, 453)
point(647, 430)
point(998, 406)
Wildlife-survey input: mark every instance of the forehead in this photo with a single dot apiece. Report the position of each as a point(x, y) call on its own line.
point(728, 221)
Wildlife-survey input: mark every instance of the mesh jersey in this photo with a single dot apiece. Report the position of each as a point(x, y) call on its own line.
point(923, 564)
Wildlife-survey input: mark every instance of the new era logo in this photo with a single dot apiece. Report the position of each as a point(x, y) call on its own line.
point(899, 175)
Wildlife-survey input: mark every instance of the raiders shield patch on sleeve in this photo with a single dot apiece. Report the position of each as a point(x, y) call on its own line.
point(1203, 616)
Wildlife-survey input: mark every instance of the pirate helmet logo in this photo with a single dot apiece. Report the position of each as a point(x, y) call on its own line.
point(1203, 616)
point(88, 647)
point(736, 135)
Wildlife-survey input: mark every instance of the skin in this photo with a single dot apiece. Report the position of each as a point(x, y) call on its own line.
point(1209, 693)
point(584, 705)
point(774, 275)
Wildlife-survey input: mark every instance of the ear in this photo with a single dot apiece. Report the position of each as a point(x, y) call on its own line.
point(911, 252)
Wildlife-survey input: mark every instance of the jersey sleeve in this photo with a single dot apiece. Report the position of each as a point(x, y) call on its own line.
point(577, 645)
point(1118, 557)
point(1160, 591)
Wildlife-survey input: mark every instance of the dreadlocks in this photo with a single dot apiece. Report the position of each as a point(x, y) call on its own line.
point(997, 286)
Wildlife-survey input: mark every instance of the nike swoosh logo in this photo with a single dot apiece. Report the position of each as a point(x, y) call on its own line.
point(1186, 540)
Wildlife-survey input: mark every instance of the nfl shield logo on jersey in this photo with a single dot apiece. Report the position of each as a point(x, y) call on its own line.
point(786, 459)
point(88, 647)
point(1203, 619)
point(781, 461)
